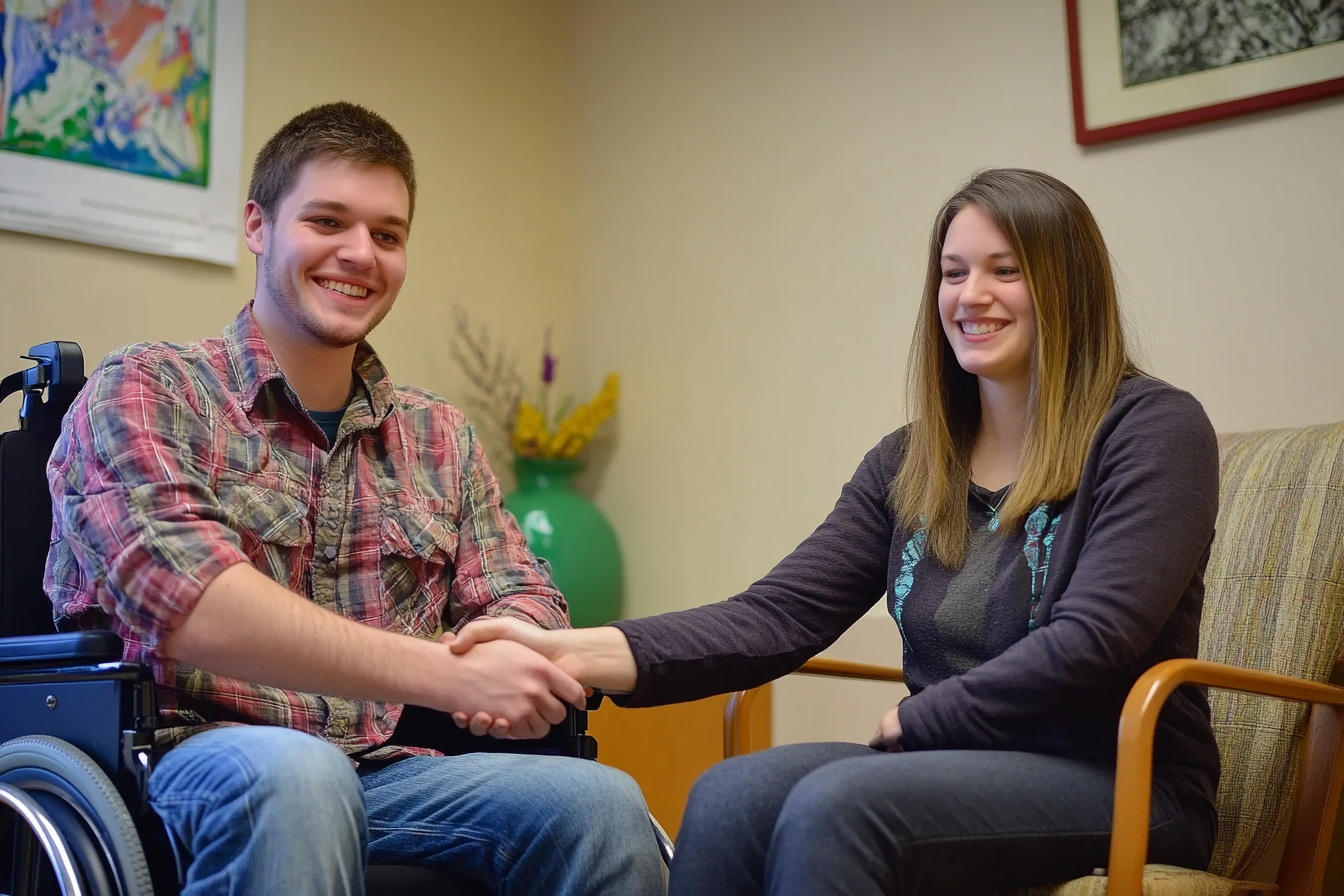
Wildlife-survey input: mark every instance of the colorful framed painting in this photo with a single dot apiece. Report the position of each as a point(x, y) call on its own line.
point(121, 123)
point(1141, 66)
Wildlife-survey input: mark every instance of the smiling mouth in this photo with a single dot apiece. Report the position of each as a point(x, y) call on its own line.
point(972, 328)
point(348, 289)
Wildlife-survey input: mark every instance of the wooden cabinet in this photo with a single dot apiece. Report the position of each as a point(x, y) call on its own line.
point(665, 748)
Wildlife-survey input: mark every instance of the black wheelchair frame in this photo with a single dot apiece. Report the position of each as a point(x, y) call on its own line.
point(77, 730)
point(77, 724)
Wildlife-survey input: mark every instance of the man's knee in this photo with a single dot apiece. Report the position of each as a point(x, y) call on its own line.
point(263, 766)
point(269, 809)
point(591, 791)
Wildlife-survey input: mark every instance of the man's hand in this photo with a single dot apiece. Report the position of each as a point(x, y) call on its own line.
point(506, 689)
point(599, 657)
point(494, 630)
point(888, 733)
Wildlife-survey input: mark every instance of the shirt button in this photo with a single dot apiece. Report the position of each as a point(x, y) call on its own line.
point(330, 552)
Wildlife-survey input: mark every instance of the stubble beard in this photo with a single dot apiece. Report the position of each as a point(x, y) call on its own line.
point(285, 295)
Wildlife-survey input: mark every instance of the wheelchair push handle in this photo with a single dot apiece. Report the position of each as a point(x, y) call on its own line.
point(59, 373)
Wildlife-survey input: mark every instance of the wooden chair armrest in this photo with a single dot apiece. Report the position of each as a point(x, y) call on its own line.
point(1134, 765)
point(846, 669)
point(737, 712)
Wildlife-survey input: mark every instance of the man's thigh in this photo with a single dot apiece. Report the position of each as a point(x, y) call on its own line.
point(488, 808)
point(262, 809)
point(251, 762)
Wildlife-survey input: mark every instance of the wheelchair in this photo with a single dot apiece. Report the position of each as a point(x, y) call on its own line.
point(77, 724)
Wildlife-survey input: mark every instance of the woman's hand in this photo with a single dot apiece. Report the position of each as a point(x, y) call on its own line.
point(556, 645)
point(888, 734)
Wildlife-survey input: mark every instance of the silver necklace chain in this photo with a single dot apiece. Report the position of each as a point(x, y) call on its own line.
point(993, 508)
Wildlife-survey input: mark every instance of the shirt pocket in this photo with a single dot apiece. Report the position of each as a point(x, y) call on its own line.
point(272, 526)
point(417, 560)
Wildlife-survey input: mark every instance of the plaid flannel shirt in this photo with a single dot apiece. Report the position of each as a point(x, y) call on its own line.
point(177, 462)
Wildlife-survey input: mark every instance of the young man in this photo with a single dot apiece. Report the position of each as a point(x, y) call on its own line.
point(279, 532)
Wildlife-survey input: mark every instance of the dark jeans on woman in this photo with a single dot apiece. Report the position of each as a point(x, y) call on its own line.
point(836, 818)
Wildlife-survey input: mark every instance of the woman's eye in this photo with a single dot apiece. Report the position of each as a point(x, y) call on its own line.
point(1007, 272)
point(955, 274)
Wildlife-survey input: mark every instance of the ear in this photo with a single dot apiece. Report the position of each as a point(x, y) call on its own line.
point(254, 228)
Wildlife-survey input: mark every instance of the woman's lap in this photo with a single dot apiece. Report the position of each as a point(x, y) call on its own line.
point(842, 818)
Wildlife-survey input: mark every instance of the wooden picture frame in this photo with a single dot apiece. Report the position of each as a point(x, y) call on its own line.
point(1106, 108)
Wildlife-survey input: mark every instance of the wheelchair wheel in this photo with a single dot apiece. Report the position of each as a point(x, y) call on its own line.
point(666, 848)
point(81, 820)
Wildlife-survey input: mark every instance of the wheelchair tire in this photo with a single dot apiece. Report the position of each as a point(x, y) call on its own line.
point(112, 824)
point(666, 848)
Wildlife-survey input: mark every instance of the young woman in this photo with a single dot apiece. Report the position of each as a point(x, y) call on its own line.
point(1040, 531)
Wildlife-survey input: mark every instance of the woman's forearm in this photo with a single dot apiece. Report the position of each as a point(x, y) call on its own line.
point(595, 657)
point(602, 656)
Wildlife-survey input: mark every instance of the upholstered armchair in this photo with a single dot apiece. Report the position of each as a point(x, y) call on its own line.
point(1272, 632)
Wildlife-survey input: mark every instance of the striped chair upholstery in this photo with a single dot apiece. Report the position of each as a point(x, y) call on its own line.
point(1275, 601)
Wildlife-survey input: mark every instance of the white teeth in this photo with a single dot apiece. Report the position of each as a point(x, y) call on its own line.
point(349, 289)
point(971, 328)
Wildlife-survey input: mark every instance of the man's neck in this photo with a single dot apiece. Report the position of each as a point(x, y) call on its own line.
point(322, 376)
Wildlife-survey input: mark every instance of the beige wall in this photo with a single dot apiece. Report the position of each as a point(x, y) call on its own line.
point(756, 183)
point(481, 93)
point(728, 202)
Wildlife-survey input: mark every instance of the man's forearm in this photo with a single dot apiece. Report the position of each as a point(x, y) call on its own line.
point(247, 626)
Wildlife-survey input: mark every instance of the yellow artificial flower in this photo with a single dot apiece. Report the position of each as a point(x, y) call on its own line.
point(529, 436)
point(532, 437)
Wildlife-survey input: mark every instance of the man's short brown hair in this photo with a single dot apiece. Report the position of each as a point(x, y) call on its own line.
point(340, 131)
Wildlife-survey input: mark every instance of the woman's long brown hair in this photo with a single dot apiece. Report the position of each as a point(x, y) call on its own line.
point(1078, 360)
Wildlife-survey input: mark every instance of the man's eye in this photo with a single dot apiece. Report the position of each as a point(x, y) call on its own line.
point(390, 238)
point(326, 222)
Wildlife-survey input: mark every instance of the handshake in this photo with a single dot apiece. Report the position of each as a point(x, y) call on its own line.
point(511, 679)
point(531, 673)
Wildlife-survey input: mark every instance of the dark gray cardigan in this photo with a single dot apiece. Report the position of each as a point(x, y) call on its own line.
point(1124, 592)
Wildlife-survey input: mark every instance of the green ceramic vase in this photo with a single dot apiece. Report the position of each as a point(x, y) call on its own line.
point(570, 533)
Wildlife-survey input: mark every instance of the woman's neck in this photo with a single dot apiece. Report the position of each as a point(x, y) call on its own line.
point(1003, 429)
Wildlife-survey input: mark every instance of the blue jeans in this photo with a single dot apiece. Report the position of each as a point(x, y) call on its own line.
point(821, 819)
point(257, 810)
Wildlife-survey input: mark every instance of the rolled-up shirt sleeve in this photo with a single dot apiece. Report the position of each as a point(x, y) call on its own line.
point(138, 532)
point(497, 574)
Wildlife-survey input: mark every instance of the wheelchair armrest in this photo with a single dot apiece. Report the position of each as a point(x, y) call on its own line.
point(72, 648)
point(421, 727)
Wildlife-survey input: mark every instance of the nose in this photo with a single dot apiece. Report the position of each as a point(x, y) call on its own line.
point(975, 289)
point(357, 248)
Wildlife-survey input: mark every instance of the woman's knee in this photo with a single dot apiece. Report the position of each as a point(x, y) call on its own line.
point(832, 799)
point(726, 783)
point(758, 783)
